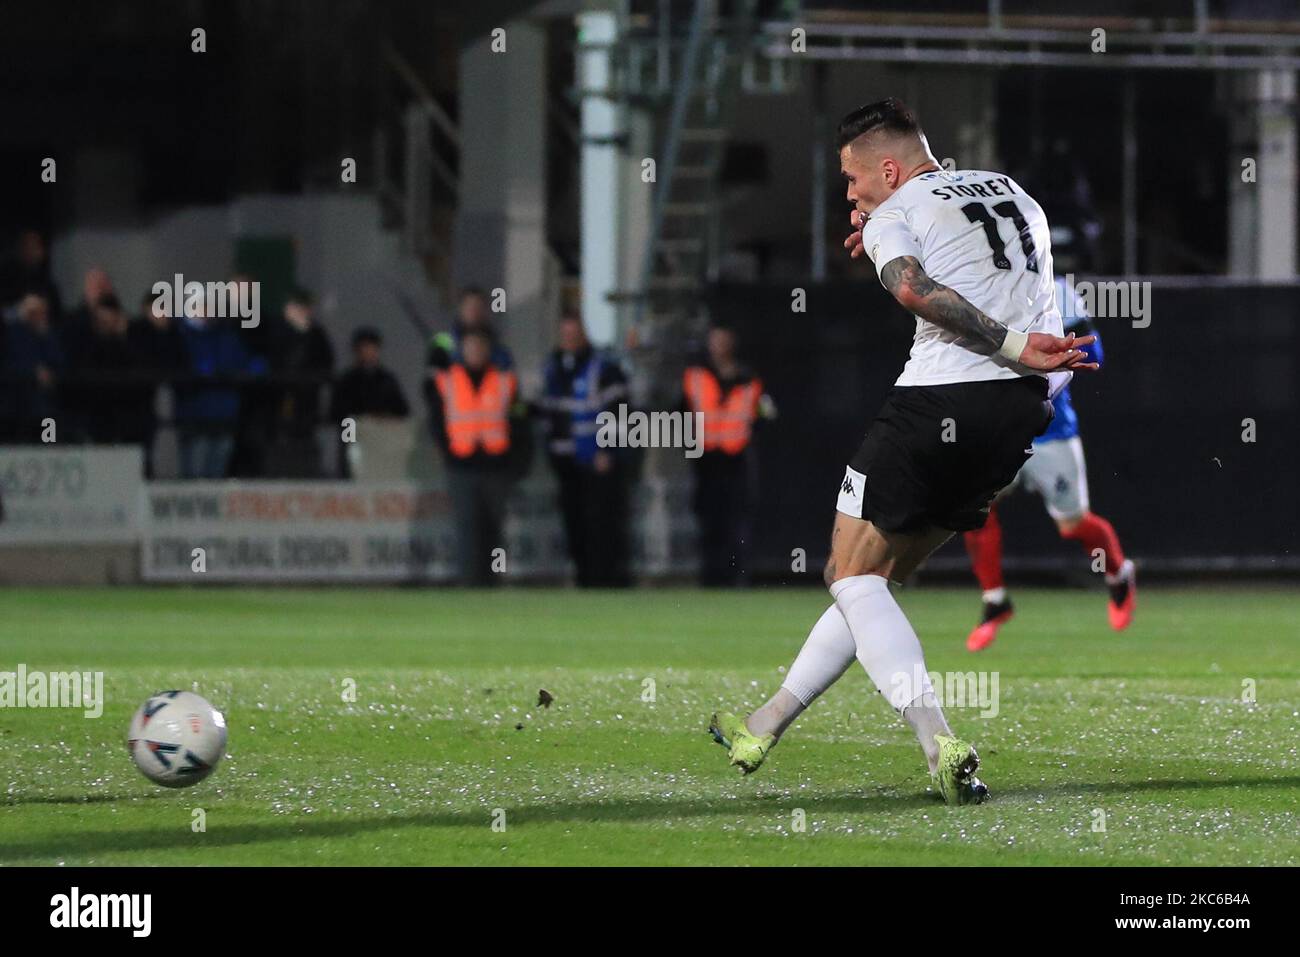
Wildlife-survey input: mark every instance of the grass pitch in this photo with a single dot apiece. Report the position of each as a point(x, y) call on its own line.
point(1145, 734)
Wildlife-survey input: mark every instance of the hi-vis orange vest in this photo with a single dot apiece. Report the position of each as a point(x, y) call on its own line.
point(476, 418)
point(727, 420)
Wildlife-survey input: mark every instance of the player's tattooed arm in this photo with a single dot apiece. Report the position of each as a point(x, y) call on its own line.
point(936, 303)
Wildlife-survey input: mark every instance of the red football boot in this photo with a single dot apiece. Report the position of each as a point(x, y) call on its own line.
point(995, 615)
point(1123, 596)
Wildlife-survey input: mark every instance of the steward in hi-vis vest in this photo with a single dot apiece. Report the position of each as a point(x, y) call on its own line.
point(728, 414)
point(471, 403)
point(729, 399)
point(476, 414)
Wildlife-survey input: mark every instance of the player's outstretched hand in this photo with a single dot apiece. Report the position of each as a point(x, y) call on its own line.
point(854, 243)
point(1046, 352)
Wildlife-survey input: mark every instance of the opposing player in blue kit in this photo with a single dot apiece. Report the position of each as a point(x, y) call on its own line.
point(1056, 471)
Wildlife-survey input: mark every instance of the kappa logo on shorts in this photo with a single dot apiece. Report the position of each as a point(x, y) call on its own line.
point(847, 487)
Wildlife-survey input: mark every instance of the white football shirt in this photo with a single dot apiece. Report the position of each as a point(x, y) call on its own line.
point(981, 235)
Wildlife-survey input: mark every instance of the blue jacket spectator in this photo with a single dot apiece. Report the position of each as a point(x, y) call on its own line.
point(580, 383)
point(34, 363)
point(215, 351)
point(207, 411)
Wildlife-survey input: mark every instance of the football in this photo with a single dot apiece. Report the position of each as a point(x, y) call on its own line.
point(177, 738)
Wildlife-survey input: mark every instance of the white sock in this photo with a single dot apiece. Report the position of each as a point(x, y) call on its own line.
point(995, 596)
point(776, 715)
point(826, 654)
point(1125, 573)
point(888, 648)
point(926, 718)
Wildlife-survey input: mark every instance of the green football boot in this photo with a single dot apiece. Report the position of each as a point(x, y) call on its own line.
point(955, 775)
point(747, 751)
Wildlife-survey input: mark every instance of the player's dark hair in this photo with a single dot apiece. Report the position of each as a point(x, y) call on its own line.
point(890, 114)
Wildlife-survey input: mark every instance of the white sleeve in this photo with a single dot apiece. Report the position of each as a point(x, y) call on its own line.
point(887, 236)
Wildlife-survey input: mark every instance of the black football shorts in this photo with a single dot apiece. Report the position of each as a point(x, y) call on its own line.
point(936, 455)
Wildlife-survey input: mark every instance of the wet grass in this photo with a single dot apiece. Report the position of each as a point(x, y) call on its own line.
point(445, 756)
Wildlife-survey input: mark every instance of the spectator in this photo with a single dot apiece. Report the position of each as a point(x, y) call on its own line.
point(302, 359)
point(256, 337)
point(207, 398)
point(472, 312)
point(580, 383)
point(98, 395)
point(470, 404)
point(366, 389)
point(731, 398)
point(30, 272)
point(160, 354)
point(258, 399)
point(34, 365)
point(95, 285)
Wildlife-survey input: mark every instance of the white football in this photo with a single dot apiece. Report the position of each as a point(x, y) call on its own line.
point(177, 738)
